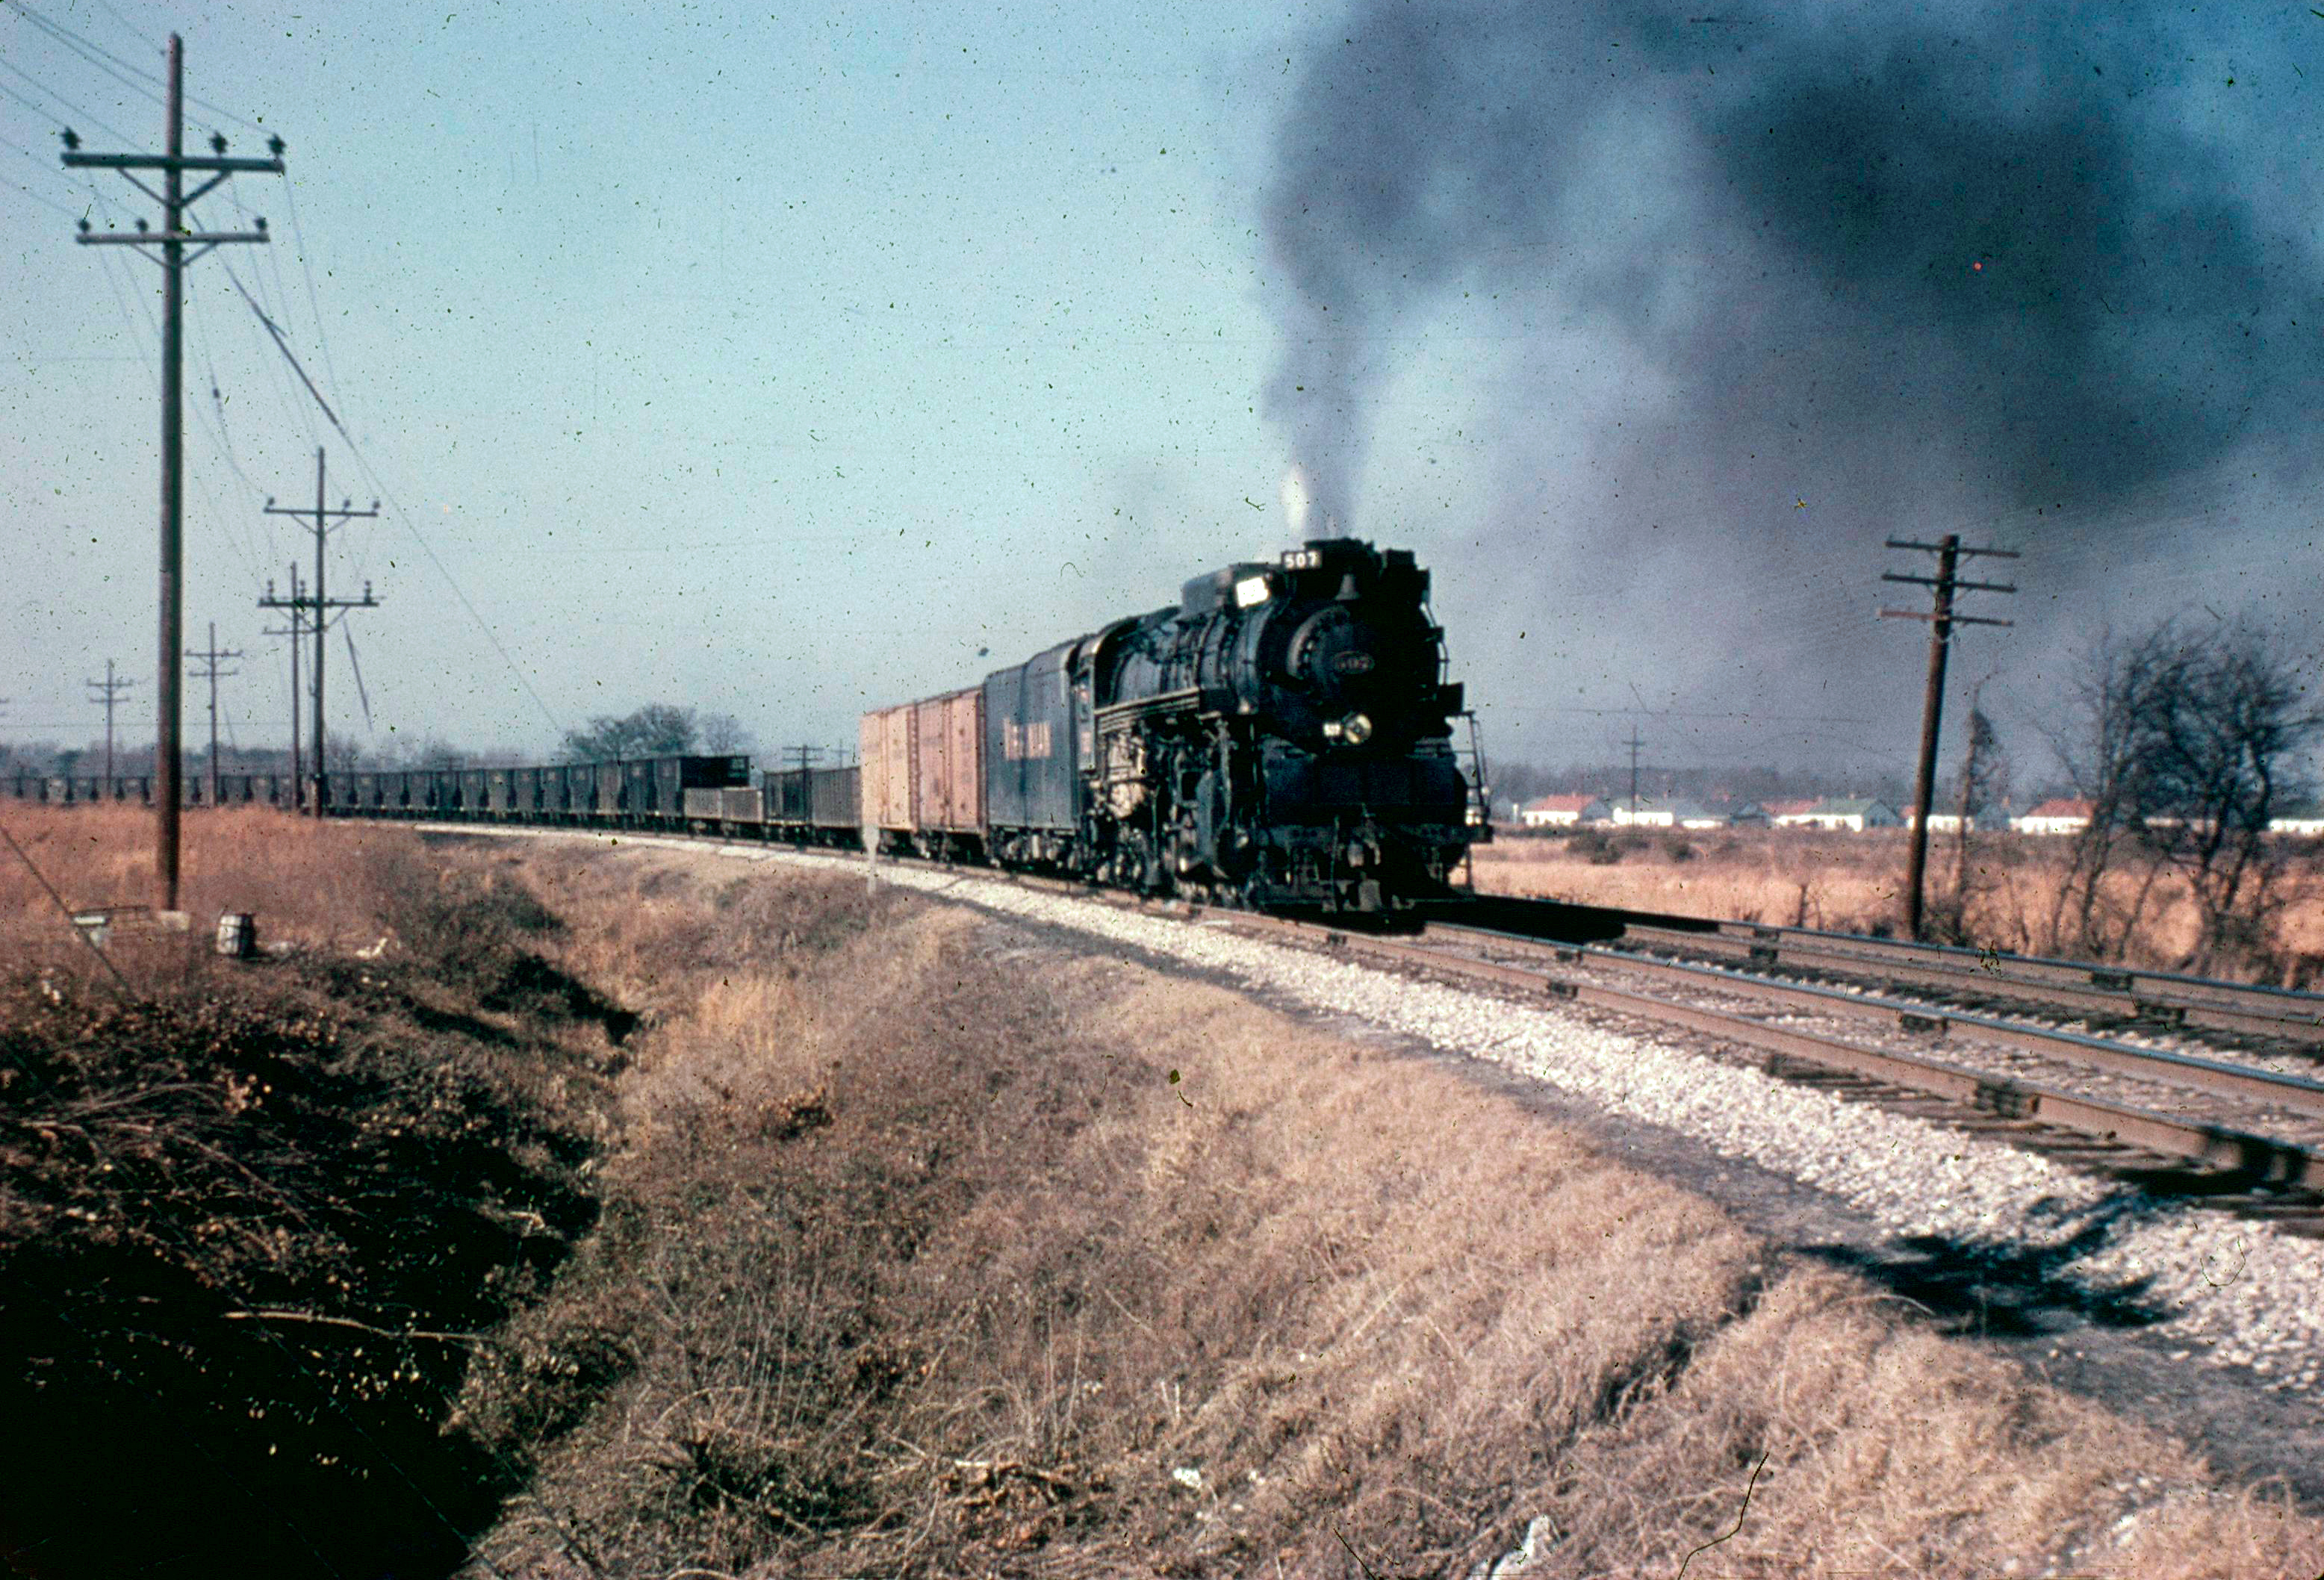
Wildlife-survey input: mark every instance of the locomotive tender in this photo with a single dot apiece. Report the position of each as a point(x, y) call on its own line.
point(1281, 736)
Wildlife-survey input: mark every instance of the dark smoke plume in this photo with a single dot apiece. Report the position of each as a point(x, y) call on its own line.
point(2056, 254)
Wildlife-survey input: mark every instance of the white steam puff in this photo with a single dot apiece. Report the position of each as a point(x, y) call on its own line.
point(1296, 500)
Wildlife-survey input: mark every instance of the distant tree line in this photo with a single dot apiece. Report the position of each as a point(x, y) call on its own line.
point(656, 729)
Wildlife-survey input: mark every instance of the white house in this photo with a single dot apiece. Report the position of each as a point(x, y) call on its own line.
point(2302, 823)
point(2059, 815)
point(1789, 814)
point(1565, 811)
point(1665, 815)
point(1853, 814)
point(1950, 823)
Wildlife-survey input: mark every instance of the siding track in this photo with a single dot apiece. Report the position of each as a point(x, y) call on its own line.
point(2251, 1139)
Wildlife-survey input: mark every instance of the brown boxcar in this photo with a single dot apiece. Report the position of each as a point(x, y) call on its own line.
point(888, 745)
point(949, 780)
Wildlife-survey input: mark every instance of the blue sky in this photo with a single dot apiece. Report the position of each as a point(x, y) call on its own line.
point(785, 363)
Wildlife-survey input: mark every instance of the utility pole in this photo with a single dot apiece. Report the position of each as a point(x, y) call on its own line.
point(325, 519)
point(1635, 744)
point(210, 656)
point(804, 756)
point(1942, 620)
point(173, 239)
point(105, 691)
point(297, 630)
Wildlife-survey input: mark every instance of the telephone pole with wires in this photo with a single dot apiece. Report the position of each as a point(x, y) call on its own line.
point(297, 631)
point(172, 241)
point(1633, 743)
point(1945, 585)
point(325, 519)
point(210, 656)
point(105, 691)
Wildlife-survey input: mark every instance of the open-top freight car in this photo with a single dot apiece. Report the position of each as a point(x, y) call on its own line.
point(816, 806)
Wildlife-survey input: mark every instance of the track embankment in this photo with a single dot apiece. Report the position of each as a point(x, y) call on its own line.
point(953, 1239)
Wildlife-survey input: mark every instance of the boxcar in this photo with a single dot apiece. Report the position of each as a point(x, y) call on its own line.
point(948, 777)
point(1032, 803)
point(889, 745)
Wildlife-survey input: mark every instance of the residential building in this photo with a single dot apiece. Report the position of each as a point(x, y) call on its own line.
point(1852, 813)
point(1566, 812)
point(1949, 822)
point(1665, 815)
point(2061, 814)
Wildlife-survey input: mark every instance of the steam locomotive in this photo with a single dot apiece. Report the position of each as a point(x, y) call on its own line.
point(1281, 738)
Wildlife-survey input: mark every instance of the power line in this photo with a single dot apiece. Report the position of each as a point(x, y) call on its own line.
point(85, 118)
point(54, 28)
point(97, 56)
point(282, 344)
point(148, 40)
point(313, 305)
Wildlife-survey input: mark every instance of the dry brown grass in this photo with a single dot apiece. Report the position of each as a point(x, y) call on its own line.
point(326, 885)
point(918, 1262)
point(1855, 883)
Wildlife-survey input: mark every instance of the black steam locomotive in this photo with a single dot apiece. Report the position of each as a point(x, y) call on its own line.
point(1283, 738)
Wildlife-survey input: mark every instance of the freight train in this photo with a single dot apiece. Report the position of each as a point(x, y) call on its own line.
point(1282, 737)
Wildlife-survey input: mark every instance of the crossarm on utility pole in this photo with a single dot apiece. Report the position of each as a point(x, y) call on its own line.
point(1941, 620)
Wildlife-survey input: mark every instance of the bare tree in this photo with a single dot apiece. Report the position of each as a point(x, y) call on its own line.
point(2185, 741)
point(2221, 753)
point(656, 729)
point(1982, 783)
point(723, 732)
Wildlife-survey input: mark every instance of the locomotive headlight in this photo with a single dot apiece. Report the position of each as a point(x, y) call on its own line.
point(1356, 729)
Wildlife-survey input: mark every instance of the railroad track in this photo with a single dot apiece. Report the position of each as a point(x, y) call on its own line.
point(2257, 1149)
point(2158, 999)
